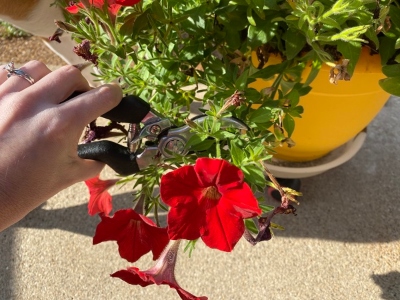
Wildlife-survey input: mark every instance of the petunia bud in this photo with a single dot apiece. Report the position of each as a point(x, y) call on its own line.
point(65, 26)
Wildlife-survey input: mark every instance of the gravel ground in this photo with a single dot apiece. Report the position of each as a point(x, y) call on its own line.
point(23, 49)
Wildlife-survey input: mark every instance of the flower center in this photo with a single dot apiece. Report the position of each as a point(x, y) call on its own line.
point(212, 193)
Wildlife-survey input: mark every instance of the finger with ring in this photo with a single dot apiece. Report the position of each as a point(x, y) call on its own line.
point(18, 72)
point(31, 72)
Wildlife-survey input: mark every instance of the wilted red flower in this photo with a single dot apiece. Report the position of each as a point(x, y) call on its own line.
point(208, 200)
point(162, 273)
point(113, 5)
point(100, 200)
point(135, 234)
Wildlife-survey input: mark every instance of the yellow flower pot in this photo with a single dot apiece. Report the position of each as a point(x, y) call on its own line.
point(334, 114)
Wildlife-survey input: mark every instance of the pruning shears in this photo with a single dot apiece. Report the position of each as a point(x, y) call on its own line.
point(162, 139)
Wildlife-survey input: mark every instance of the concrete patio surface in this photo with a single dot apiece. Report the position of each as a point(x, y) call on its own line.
point(343, 244)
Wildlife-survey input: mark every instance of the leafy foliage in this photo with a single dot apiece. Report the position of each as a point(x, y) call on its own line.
point(168, 52)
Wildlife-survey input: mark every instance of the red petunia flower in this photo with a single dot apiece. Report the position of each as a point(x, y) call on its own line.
point(100, 200)
point(162, 273)
point(113, 5)
point(135, 234)
point(208, 200)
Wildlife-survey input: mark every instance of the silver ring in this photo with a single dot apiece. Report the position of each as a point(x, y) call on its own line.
point(12, 71)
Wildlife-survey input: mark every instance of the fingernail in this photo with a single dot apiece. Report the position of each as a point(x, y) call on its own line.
point(82, 66)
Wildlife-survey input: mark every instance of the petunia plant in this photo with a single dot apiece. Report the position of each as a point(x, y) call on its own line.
point(175, 54)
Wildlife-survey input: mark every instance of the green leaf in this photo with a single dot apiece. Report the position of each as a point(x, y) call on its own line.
point(241, 82)
point(351, 51)
point(140, 23)
point(254, 175)
point(250, 16)
point(386, 49)
point(204, 145)
point(224, 135)
point(294, 97)
point(288, 124)
point(348, 34)
point(249, 223)
point(295, 42)
point(269, 71)
point(158, 12)
point(278, 133)
point(397, 45)
point(296, 111)
point(391, 70)
point(315, 68)
point(261, 32)
point(261, 115)
point(190, 52)
point(391, 85)
point(237, 154)
point(196, 139)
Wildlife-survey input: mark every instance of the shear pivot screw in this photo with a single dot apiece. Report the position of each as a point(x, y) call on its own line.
point(175, 146)
point(155, 129)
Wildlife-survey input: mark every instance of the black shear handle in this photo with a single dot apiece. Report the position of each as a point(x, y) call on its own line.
point(115, 155)
point(131, 109)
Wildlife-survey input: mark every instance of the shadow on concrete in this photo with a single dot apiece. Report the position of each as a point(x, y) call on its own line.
point(74, 219)
point(390, 285)
point(343, 204)
point(358, 201)
point(7, 264)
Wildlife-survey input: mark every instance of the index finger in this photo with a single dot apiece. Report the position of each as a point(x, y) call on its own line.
point(88, 106)
point(56, 86)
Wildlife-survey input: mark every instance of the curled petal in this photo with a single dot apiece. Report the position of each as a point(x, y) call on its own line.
point(100, 200)
point(163, 272)
point(135, 234)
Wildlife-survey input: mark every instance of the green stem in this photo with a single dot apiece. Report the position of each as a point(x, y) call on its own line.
point(156, 214)
point(217, 148)
point(275, 85)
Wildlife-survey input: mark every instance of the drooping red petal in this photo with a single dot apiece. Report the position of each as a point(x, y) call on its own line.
point(100, 200)
point(163, 272)
point(135, 234)
point(134, 276)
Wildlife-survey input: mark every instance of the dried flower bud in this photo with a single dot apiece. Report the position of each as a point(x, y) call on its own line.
point(56, 35)
point(237, 98)
point(83, 50)
point(65, 26)
point(339, 72)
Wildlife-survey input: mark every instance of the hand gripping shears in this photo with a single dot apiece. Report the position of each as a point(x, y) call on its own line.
point(163, 139)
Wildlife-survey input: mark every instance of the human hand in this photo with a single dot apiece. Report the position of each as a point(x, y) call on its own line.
point(39, 135)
